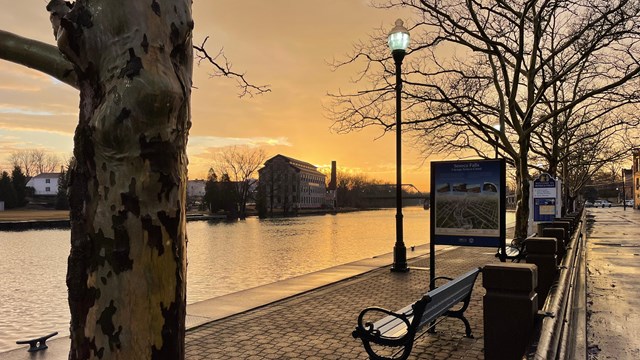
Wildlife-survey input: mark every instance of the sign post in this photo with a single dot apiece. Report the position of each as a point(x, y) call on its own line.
point(467, 205)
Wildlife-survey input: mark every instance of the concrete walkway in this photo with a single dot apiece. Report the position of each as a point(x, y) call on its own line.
point(613, 284)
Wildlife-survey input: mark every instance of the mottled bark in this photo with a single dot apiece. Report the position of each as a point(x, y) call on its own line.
point(522, 203)
point(127, 267)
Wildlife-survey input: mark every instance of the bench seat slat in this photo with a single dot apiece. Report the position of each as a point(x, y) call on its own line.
point(390, 322)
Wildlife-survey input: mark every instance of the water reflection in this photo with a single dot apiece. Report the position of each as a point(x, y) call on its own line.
point(33, 292)
point(225, 258)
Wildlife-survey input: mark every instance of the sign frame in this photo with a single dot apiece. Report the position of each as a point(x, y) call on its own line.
point(455, 194)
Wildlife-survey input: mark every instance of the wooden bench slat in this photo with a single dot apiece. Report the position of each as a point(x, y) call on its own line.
point(390, 322)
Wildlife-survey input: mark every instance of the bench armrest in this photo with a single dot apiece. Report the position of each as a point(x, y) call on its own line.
point(432, 285)
point(366, 332)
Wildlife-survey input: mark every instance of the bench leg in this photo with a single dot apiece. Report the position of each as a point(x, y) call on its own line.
point(460, 315)
point(467, 327)
point(404, 353)
point(432, 328)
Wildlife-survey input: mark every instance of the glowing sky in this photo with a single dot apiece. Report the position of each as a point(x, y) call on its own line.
point(286, 44)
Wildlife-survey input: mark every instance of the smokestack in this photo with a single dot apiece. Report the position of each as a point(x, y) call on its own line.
point(333, 182)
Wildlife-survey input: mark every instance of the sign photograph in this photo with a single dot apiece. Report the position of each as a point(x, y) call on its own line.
point(467, 202)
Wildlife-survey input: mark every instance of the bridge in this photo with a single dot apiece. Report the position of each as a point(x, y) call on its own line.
point(388, 191)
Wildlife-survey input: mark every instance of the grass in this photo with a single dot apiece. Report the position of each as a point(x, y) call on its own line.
point(29, 214)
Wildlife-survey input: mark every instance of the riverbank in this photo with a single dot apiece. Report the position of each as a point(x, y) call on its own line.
point(30, 219)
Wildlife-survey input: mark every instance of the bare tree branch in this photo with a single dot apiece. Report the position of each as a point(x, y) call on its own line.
point(222, 67)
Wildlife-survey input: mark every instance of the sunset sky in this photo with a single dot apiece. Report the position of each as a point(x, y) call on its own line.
point(286, 44)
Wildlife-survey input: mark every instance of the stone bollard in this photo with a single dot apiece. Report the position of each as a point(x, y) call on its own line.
point(557, 233)
point(542, 226)
point(572, 225)
point(567, 229)
point(542, 252)
point(510, 306)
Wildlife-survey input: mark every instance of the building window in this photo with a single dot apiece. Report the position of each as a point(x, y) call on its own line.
point(47, 189)
point(48, 181)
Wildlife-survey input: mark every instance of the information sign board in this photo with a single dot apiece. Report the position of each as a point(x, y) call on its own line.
point(544, 198)
point(467, 203)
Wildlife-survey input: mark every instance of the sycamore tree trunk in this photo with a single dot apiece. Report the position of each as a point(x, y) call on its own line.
point(127, 268)
point(523, 189)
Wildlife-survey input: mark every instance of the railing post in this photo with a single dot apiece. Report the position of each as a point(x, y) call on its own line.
point(559, 234)
point(509, 307)
point(542, 251)
point(566, 225)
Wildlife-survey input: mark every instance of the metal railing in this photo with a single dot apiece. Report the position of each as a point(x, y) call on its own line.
point(560, 331)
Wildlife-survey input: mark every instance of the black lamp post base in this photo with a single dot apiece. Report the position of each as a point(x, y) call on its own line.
point(400, 270)
point(399, 259)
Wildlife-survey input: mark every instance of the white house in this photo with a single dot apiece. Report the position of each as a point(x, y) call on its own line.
point(45, 184)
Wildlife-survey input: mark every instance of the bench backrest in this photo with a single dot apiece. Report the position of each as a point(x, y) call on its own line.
point(448, 295)
point(441, 300)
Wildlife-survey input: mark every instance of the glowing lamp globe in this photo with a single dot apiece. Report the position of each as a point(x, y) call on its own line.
point(398, 37)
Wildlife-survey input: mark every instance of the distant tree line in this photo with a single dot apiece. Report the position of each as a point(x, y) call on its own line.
point(35, 161)
point(13, 188)
point(357, 190)
point(220, 195)
point(232, 189)
point(351, 189)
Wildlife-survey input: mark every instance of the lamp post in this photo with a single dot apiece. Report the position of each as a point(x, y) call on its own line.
point(398, 41)
point(497, 128)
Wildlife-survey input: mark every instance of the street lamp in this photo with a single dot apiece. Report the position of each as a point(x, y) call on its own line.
point(497, 127)
point(398, 43)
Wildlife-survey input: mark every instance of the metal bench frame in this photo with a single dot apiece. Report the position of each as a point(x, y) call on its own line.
point(399, 328)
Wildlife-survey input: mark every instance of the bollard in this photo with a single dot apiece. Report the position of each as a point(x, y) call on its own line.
point(558, 234)
point(542, 226)
point(570, 220)
point(567, 229)
point(509, 307)
point(542, 252)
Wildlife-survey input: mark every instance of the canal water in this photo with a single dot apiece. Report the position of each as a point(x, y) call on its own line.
point(223, 257)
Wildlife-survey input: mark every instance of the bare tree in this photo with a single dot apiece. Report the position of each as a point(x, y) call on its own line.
point(35, 161)
point(132, 64)
point(23, 160)
point(241, 164)
point(45, 162)
point(474, 65)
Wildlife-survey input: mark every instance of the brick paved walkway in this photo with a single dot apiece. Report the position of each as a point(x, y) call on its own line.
point(318, 324)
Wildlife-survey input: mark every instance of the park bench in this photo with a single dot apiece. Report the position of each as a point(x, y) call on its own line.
point(37, 344)
point(399, 329)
